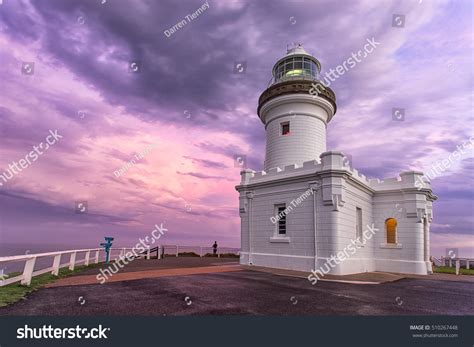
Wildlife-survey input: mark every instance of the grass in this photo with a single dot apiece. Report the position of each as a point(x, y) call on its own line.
point(14, 292)
point(452, 270)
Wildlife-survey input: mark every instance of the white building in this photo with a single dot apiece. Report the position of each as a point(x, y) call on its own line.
point(309, 205)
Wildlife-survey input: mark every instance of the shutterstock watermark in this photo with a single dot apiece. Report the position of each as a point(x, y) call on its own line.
point(443, 165)
point(293, 204)
point(140, 248)
point(48, 332)
point(349, 63)
point(14, 168)
point(346, 253)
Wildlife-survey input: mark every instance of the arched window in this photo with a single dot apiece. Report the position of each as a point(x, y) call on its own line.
point(391, 229)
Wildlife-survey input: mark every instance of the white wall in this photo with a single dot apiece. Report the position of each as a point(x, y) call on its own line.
point(336, 220)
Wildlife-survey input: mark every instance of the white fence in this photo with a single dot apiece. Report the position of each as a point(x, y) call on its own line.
point(457, 262)
point(93, 255)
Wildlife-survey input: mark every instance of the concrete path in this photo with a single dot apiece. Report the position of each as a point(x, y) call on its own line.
point(138, 275)
point(248, 293)
point(365, 277)
point(362, 278)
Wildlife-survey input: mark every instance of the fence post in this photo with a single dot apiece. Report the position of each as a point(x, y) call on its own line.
point(56, 265)
point(218, 252)
point(177, 251)
point(458, 265)
point(159, 252)
point(28, 271)
point(467, 264)
point(97, 257)
point(443, 261)
point(72, 261)
point(86, 259)
point(450, 262)
point(148, 252)
point(201, 251)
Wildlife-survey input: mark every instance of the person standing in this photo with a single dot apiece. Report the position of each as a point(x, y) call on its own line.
point(214, 248)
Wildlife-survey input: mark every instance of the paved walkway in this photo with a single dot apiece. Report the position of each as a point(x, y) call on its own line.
point(248, 293)
point(361, 278)
point(138, 275)
point(365, 277)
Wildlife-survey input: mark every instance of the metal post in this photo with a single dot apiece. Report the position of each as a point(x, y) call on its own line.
point(218, 252)
point(28, 271)
point(159, 252)
point(86, 259)
point(467, 264)
point(458, 265)
point(72, 261)
point(201, 252)
point(148, 252)
point(450, 262)
point(97, 257)
point(177, 251)
point(56, 265)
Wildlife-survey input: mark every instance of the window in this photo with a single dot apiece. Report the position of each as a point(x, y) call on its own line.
point(391, 230)
point(285, 128)
point(281, 227)
point(359, 223)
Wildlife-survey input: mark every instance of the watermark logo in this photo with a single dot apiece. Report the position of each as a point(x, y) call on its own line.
point(399, 301)
point(347, 161)
point(187, 114)
point(292, 20)
point(452, 253)
point(15, 167)
point(188, 300)
point(134, 66)
point(293, 204)
point(332, 75)
point(398, 114)
point(81, 207)
point(294, 300)
point(398, 21)
point(143, 246)
point(81, 20)
point(341, 256)
point(187, 19)
point(136, 158)
point(187, 206)
point(28, 68)
point(81, 300)
point(82, 114)
point(441, 166)
point(240, 67)
point(240, 160)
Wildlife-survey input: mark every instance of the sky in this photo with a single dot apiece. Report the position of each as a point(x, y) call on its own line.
point(108, 77)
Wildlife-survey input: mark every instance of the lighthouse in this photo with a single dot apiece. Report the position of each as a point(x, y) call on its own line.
point(307, 210)
point(295, 115)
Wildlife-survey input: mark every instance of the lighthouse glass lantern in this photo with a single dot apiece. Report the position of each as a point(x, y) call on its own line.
point(297, 64)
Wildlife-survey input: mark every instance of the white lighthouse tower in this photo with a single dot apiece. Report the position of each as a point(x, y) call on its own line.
point(307, 208)
point(295, 120)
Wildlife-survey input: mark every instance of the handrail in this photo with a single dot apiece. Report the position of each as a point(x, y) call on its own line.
point(30, 260)
point(40, 255)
